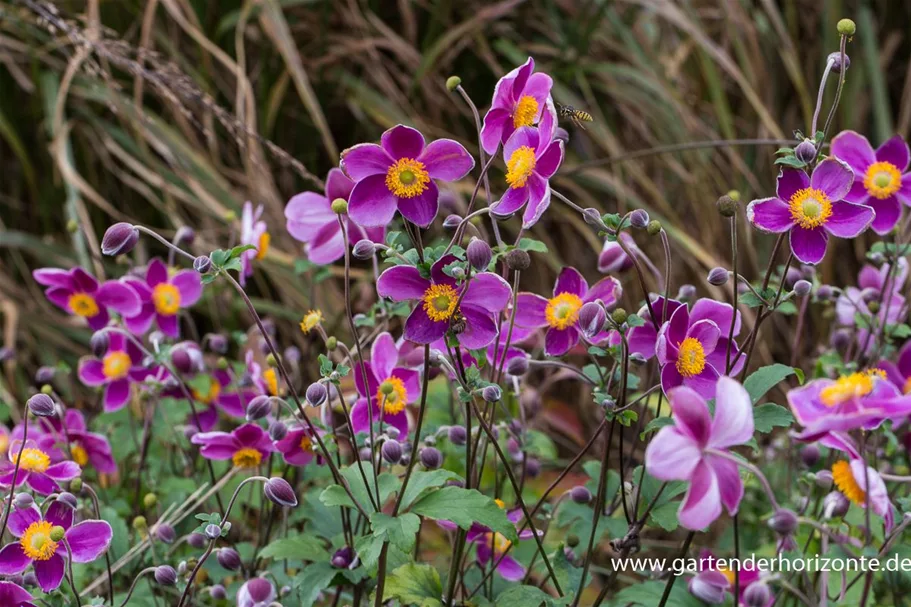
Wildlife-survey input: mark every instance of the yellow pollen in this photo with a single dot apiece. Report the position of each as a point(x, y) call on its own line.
point(810, 208)
point(116, 364)
point(83, 304)
point(882, 179)
point(563, 310)
point(497, 541)
point(520, 166)
point(210, 396)
point(263, 247)
point(166, 298)
point(728, 573)
point(906, 390)
point(395, 401)
point(36, 542)
point(33, 460)
point(440, 302)
point(306, 444)
point(847, 387)
point(271, 380)
point(500, 503)
point(526, 111)
point(844, 480)
point(4, 443)
point(247, 458)
point(311, 320)
point(80, 455)
point(407, 178)
point(691, 357)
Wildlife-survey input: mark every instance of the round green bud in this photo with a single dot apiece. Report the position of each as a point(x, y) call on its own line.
point(149, 500)
point(619, 316)
point(873, 306)
point(727, 206)
point(331, 343)
point(846, 27)
point(387, 388)
point(76, 485)
point(654, 227)
point(340, 206)
point(47, 389)
point(734, 195)
point(57, 533)
point(140, 523)
point(72, 226)
point(230, 215)
point(222, 363)
point(572, 540)
point(453, 82)
point(270, 360)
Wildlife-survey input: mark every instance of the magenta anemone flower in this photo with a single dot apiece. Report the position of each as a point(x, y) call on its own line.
point(389, 388)
point(899, 372)
point(873, 285)
point(258, 592)
point(246, 446)
point(253, 232)
point(163, 296)
point(36, 469)
point(880, 181)
point(443, 305)
point(297, 446)
point(399, 175)
point(560, 313)
point(116, 370)
point(859, 400)
point(87, 541)
point(14, 595)
point(310, 219)
point(708, 572)
point(857, 484)
point(218, 396)
point(684, 451)
point(79, 293)
point(643, 338)
point(72, 440)
point(812, 208)
point(532, 157)
point(613, 258)
point(692, 346)
point(519, 100)
point(493, 545)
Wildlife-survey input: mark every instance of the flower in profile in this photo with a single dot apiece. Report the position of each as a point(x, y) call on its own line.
point(72, 440)
point(78, 292)
point(163, 296)
point(708, 578)
point(246, 446)
point(560, 313)
point(899, 372)
point(684, 451)
point(40, 542)
point(863, 399)
point(116, 371)
point(812, 208)
point(36, 469)
point(311, 320)
point(310, 219)
point(258, 592)
point(297, 446)
point(613, 258)
point(884, 286)
point(532, 157)
point(255, 233)
point(467, 309)
point(389, 388)
point(880, 181)
point(519, 100)
point(692, 346)
point(858, 484)
point(493, 545)
point(642, 339)
point(399, 175)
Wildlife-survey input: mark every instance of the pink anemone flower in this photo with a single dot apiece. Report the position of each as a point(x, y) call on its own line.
point(78, 292)
point(246, 446)
point(519, 100)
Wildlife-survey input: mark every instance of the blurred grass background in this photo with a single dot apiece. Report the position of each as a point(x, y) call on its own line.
point(175, 112)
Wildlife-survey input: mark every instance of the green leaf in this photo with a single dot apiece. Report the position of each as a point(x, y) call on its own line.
point(464, 507)
point(592, 468)
point(299, 548)
point(791, 161)
point(335, 495)
point(750, 300)
point(398, 530)
point(540, 445)
point(665, 515)
point(770, 415)
point(567, 574)
point(415, 584)
point(656, 424)
point(648, 594)
point(218, 257)
point(422, 480)
point(240, 249)
point(530, 244)
point(764, 379)
point(528, 596)
point(368, 549)
point(634, 320)
point(311, 581)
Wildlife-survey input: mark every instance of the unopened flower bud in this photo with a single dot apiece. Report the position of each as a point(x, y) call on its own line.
point(608, 403)
point(718, 277)
point(846, 27)
point(218, 343)
point(727, 206)
point(619, 316)
point(166, 575)
point(218, 592)
point(57, 533)
point(837, 64)
point(452, 222)
point(572, 540)
point(757, 594)
point(458, 435)
point(824, 480)
point(517, 366)
point(45, 375)
point(783, 522)
point(835, 505)
point(119, 239)
point(591, 319)
point(392, 451)
point(339, 206)
point(65, 497)
point(212, 531)
point(802, 288)
point(258, 408)
point(532, 467)
point(76, 485)
point(317, 394)
point(7, 354)
point(202, 264)
point(140, 523)
point(23, 501)
point(165, 533)
point(185, 235)
point(342, 558)
point(278, 430)
point(810, 455)
point(841, 339)
point(280, 492)
point(453, 82)
point(491, 394)
point(580, 494)
point(654, 227)
point(99, 343)
point(709, 586)
point(805, 151)
point(149, 500)
point(196, 540)
point(479, 254)
point(431, 458)
point(229, 559)
point(592, 217)
point(518, 260)
point(686, 293)
point(42, 405)
point(363, 249)
point(639, 219)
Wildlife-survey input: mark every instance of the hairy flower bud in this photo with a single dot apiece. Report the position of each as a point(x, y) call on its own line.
point(478, 254)
point(654, 227)
point(392, 451)
point(639, 219)
point(837, 64)
point(196, 540)
point(202, 264)
point(592, 217)
point(342, 558)
point(57, 533)
point(363, 249)
point(185, 235)
point(212, 531)
point(686, 293)
point(149, 500)
point(278, 430)
point(431, 458)
point(709, 586)
point(517, 366)
point(218, 592)
point(23, 501)
point(119, 239)
point(835, 505)
point(841, 339)
point(580, 494)
point(491, 394)
point(457, 435)
point(45, 375)
point(532, 467)
point(727, 206)
point(846, 27)
point(317, 394)
point(229, 559)
point(166, 575)
point(757, 594)
point(718, 277)
point(42, 405)
point(591, 319)
point(783, 522)
point(805, 151)
point(99, 343)
point(619, 316)
point(218, 343)
point(258, 408)
point(165, 533)
point(518, 260)
point(453, 82)
point(452, 222)
point(809, 454)
point(280, 492)
point(802, 288)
